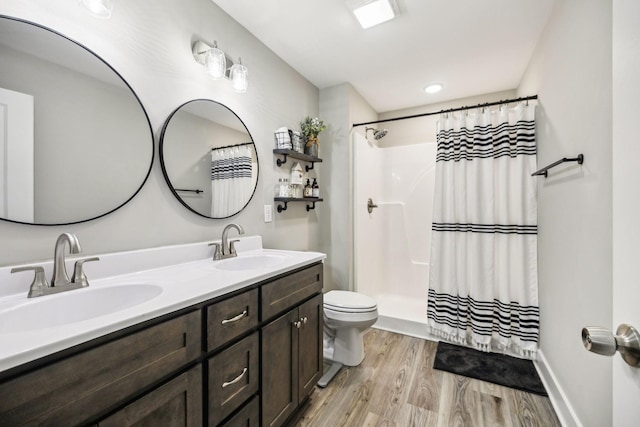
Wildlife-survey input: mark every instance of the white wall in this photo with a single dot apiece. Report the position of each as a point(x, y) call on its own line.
point(571, 73)
point(149, 43)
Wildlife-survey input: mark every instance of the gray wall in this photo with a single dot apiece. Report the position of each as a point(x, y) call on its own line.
point(571, 72)
point(149, 43)
point(340, 107)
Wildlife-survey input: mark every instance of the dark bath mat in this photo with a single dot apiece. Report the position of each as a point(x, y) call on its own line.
point(494, 368)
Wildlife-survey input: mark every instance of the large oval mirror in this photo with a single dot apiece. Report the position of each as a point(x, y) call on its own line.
point(209, 159)
point(75, 142)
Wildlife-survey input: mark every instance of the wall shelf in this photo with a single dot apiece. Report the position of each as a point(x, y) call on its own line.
point(285, 152)
point(307, 200)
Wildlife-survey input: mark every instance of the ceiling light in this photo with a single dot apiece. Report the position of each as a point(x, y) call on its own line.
point(433, 88)
point(372, 12)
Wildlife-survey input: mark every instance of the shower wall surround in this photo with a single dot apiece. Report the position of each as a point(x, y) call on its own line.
point(149, 44)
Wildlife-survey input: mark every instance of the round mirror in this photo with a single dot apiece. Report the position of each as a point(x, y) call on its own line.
point(209, 159)
point(75, 142)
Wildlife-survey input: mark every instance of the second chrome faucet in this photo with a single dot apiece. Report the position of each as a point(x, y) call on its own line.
point(228, 249)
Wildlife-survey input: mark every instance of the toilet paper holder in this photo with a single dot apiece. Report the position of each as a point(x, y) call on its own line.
point(601, 341)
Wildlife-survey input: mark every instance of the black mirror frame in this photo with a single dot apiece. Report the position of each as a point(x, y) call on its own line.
point(166, 175)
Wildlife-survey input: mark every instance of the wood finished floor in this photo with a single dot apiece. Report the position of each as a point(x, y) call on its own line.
point(396, 386)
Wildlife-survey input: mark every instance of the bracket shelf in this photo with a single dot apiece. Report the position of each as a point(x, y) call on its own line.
point(295, 155)
point(285, 200)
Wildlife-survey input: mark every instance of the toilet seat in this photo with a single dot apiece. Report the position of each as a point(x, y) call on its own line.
point(349, 302)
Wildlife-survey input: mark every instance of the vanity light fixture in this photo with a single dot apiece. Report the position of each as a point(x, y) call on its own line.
point(219, 65)
point(433, 88)
point(239, 77)
point(99, 8)
point(216, 62)
point(373, 12)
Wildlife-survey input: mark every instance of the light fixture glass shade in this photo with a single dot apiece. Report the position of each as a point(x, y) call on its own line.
point(216, 63)
point(99, 8)
point(239, 77)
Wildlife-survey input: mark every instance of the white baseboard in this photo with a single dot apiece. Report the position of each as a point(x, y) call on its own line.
point(561, 405)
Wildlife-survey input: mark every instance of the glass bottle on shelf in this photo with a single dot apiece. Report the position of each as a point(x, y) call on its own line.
point(315, 189)
point(282, 188)
point(308, 191)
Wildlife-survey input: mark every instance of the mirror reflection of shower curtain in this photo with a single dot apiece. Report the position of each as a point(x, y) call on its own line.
point(231, 180)
point(483, 287)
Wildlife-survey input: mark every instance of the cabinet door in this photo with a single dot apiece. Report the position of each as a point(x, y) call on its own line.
point(279, 369)
point(310, 346)
point(178, 403)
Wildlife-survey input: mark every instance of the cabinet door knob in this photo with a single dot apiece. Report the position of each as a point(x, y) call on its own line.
point(235, 380)
point(304, 320)
point(297, 324)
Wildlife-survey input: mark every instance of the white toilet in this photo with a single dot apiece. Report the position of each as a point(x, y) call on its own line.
point(346, 316)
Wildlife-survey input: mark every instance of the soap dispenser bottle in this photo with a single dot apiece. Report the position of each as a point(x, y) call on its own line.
point(315, 189)
point(308, 191)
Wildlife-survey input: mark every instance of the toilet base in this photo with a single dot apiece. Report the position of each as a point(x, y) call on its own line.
point(348, 347)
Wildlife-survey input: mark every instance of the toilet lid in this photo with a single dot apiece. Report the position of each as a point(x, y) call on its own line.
point(351, 301)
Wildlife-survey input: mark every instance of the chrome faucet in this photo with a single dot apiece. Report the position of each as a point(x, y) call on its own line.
point(228, 249)
point(60, 276)
point(60, 281)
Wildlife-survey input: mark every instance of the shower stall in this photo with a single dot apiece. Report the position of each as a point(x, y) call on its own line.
point(392, 242)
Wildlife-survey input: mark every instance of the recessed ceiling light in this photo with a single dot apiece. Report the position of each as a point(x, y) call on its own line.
point(372, 12)
point(433, 88)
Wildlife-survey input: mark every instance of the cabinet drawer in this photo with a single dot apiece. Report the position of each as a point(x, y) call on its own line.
point(73, 390)
point(287, 291)
point(248, 416)
point(177, 403)
point(231, 318)
point(233, 377)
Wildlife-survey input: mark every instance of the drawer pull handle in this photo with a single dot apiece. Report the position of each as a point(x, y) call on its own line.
point(235, 319)
point(235, 380)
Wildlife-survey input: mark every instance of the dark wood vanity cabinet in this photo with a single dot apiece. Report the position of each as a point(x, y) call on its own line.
point(246, 360)
point(291, 346)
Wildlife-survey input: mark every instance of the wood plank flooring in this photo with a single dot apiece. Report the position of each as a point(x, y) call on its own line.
point(395, 386)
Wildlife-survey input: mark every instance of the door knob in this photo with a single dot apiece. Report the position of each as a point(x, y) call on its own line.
point(601, 341)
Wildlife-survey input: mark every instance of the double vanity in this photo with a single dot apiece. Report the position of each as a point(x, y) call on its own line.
point(165, 336)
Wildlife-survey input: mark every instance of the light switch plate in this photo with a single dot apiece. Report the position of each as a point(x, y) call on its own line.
point(268, 213)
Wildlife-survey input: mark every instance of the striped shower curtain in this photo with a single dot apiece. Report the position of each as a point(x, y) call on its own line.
point(231, 185)
point(483, 289)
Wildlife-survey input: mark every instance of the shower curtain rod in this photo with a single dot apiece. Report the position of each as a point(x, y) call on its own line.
point(450, 110)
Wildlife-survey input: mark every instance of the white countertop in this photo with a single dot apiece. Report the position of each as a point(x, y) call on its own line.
point(191, 278)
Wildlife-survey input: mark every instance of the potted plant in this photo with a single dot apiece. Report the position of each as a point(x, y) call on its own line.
point(310, 128)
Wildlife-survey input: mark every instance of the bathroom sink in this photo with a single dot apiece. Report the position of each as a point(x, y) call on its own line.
point(74, 306)
point(250, 262)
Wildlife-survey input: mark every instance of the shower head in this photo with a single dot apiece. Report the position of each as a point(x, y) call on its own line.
point(377, 134)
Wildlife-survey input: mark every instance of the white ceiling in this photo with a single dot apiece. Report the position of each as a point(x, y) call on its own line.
point(473, 47)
